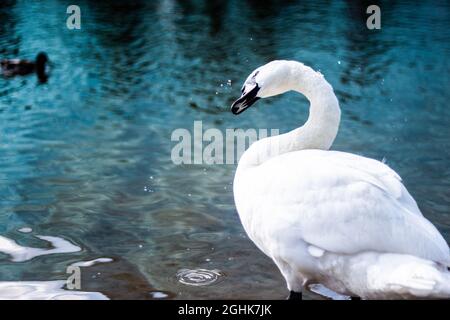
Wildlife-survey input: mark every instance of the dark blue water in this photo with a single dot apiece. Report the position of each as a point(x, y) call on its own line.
point(87, 156)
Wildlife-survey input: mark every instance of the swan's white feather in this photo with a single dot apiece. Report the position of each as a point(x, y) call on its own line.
point(340, 202)
point(407, 276)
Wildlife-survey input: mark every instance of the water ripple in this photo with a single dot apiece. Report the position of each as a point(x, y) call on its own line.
point(199, 277)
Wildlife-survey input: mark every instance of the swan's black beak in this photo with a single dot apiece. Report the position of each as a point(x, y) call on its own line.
point(246, 100)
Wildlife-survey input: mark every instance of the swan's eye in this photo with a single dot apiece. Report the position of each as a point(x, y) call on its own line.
point(256, 73)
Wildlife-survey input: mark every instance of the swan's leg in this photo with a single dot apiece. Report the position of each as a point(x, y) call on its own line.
point(294, 280)
point(294, 295)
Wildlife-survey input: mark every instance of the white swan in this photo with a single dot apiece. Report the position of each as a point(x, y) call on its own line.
point(334, 218)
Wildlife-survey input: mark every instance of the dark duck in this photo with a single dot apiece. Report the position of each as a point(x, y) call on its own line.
point(21, 67)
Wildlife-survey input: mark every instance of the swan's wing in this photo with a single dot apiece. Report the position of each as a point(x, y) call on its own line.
point(378, 174)
point(336, 201)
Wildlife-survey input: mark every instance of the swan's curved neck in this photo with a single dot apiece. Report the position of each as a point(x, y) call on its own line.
point(318, 132)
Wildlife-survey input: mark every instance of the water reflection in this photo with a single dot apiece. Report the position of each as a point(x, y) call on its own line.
point(20, 253)
point(79, 154)
point(43, 290)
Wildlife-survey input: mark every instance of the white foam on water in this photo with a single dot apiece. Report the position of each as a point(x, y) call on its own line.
point(91, 262)
point(25, 230)
point(44, 290)
point(20, 253)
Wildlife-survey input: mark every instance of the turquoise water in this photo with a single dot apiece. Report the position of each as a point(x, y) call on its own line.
point(86, 156)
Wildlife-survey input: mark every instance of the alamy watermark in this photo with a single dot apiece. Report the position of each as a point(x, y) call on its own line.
point(374, 20)
point(213, 146)
point(74, 20)
point(73, 282)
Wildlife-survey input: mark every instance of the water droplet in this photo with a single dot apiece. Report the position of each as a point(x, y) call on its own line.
point(148, 189)
point(198, 277)
point(25, 230)
point(339, 62)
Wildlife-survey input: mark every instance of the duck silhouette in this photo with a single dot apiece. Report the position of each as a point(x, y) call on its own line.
point(21, 67)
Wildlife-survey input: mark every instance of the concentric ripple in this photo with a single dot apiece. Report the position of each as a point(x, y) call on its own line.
point(199, 277)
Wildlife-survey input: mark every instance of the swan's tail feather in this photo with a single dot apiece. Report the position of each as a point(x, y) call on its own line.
point(410, 277)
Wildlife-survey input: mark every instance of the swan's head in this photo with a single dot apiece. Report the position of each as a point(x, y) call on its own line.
point(268, 80)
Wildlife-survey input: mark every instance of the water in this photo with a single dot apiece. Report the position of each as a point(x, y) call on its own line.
point(85, 158)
